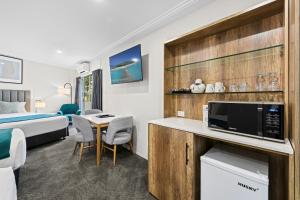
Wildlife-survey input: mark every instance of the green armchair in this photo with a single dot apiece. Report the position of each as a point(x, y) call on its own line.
point(68, 110)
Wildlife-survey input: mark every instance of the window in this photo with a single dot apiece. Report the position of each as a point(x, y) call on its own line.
point(87, 92)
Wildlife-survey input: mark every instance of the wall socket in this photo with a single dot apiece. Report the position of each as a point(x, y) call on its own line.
point(180, 113)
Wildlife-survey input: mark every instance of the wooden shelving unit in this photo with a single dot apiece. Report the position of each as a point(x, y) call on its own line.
point(235, 50)
point(224, 93)
point(275, 50)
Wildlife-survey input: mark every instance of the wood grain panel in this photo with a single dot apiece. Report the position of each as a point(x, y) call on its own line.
point(158, 161)
point(268, 24)
point(201, 146)
point(237, 69)
point(291, 178)
point(168, 83)
point(293, 93)
point(174, 163)
point(259, 34)
point(170, 164)
point(277, 176)
point(262, 33)
point(254, 13)
point(192, 104)
point(180, 175)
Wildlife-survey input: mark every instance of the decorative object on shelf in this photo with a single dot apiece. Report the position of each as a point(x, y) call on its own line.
point(210, 88)
point(198, 81)
point(219, 87)
point(260, 82)
point(198, 86)
point(181, 91)
point(233, 88)
point(243, 87)
point(11, 70)
point(68, 89)
point(273, 81)
point(39, 103)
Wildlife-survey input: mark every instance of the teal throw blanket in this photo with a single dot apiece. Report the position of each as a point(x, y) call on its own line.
point(25, 118)
point(5, 140)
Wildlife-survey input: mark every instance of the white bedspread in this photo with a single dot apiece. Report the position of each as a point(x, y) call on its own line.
point(36, 126)
point(8, 188)
point(17, 151)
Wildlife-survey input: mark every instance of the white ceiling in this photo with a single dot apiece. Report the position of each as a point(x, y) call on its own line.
point(81, 29)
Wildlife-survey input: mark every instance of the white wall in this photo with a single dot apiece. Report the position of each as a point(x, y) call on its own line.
point(144, 100)
point(43, 82)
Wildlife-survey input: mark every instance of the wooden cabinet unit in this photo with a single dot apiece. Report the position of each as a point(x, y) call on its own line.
point(174, 159)
point(170, 164)
point(260, 41)
point(294, 89)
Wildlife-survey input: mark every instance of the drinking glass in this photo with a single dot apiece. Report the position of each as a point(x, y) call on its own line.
point(260, 82)
point(273, 81)
point(243, 86)
point(233, 88)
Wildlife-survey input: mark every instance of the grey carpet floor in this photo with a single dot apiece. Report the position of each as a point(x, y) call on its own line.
point(52, 172)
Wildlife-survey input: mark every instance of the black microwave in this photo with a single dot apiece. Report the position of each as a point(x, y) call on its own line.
point(255, 119)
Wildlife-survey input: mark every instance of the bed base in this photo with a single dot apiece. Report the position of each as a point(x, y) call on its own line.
point(45, 138)
point(17, 174)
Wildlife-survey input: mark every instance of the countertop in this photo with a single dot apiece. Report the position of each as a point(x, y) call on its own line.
point(199, 128)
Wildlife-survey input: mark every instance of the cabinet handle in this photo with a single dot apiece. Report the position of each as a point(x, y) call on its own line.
point(186, 154)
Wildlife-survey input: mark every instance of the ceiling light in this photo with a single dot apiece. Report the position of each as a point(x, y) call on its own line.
point(59, 51)
point(2, 63)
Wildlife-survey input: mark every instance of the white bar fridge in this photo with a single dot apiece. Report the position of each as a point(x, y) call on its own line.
point(228, 173)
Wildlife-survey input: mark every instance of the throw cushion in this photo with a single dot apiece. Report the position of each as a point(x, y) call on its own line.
point(5, 140)
point(12, 107)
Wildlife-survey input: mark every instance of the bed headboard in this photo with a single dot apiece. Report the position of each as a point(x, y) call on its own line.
point(16, 96)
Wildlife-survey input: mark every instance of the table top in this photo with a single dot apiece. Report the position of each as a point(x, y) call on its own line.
point(96, 120)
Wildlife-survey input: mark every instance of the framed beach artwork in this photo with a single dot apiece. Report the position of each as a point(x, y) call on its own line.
point(11, 70)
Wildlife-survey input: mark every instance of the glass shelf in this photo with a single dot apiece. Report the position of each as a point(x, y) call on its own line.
point(219, 93)
point(243, 56)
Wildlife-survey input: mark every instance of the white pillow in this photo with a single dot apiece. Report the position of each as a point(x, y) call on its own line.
point(21, 107)
point(12, 107)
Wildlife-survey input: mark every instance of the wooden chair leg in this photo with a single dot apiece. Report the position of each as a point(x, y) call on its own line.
point(115, 154)
point(131, 146)
point(75, 148)
point(102, 147)
point(81, 150)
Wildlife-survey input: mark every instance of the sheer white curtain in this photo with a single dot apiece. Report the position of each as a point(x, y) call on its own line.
point(81, 94)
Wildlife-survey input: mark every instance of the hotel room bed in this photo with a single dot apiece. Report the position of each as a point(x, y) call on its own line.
point(8, 189)
point(17, 153)
point(36, 131)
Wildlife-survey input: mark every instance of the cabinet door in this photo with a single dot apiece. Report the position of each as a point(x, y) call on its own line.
point(170, 163)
